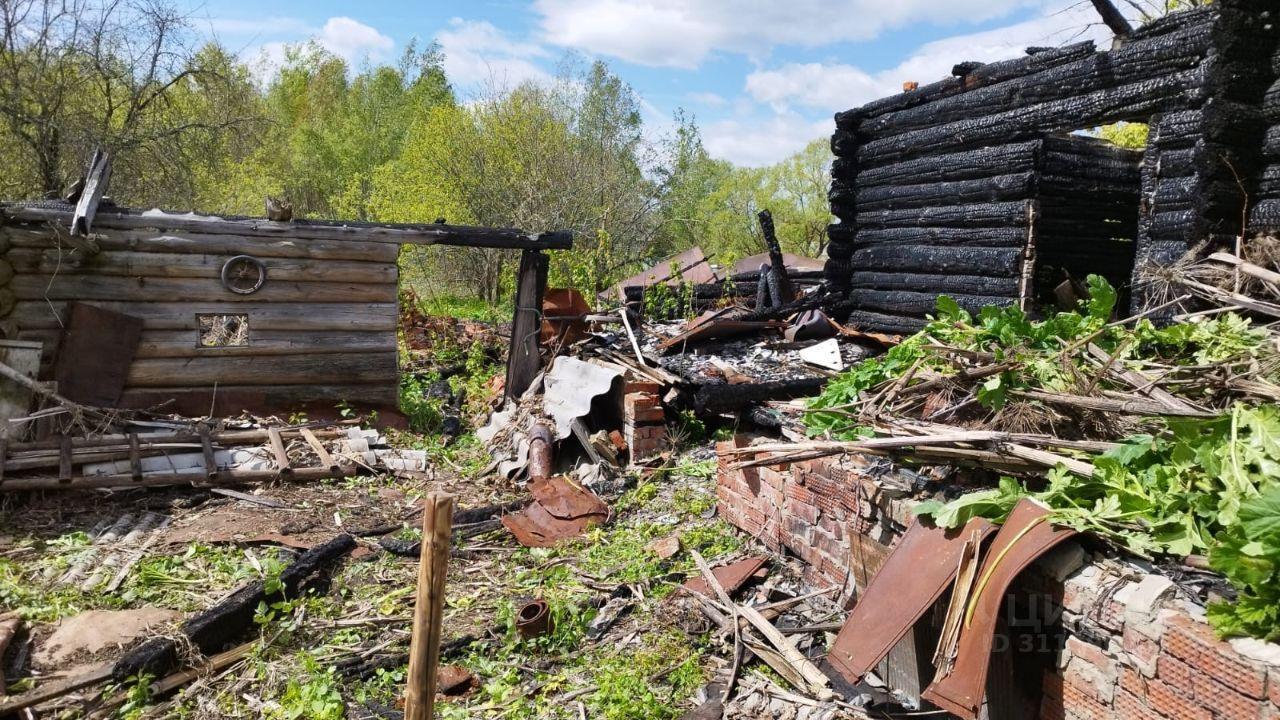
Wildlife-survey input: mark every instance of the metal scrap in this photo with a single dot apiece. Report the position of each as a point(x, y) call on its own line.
point(560, 509)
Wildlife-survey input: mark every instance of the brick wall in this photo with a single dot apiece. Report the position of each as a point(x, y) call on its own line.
point(1123, 643)
point(644, 421)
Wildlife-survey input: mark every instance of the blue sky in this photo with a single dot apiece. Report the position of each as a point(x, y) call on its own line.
point(762, 77)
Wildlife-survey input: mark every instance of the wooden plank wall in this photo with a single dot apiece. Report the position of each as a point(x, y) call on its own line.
point(321, 329)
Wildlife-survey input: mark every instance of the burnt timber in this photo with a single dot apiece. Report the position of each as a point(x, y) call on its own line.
point(982, 187)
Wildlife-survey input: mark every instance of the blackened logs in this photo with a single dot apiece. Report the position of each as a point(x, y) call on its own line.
point(962, 284)
point(920, 303)
point(979, 163)
point(1174, 22)
point(1136, 62)
point(1266, 215)
point(988, 74)
point(986, 190)
point(880, 322)
point(973, 237)
point(1135, 101)
point(225, 622)
point(1008, 214)
point(998, 262)
point(713, 398)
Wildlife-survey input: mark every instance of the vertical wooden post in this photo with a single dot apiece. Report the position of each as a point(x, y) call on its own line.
point(785, 292)
point(424, 646)
point(524, 361)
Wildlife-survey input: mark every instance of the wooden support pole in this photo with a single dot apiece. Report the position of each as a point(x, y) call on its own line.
point(428, 611)
point(524, 360)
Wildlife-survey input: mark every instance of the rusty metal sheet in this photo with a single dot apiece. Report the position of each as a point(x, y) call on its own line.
point(564, 313)
point(560, 510)
point(692, 265)
point(792, 262)
point(1025, 536)
point(714, 324)
point(918, 570)
point(94, 356)
point(731, 577)
point(566, 499)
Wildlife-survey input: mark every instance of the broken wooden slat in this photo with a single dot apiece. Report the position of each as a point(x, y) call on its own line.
point(135, 457)
point(278, 450)
point(95, 186)
point(64, 458)
point(206, 446)
point(326, 460)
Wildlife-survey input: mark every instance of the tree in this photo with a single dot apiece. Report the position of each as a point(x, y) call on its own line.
point(78, 74)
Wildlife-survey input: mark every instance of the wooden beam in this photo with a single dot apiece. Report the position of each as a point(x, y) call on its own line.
point(524, 360)
point(96, 181)
point(403, 234)
point(1113, 19)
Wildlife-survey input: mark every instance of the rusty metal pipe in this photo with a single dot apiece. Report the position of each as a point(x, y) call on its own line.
point(540, 452)
point(534, 619)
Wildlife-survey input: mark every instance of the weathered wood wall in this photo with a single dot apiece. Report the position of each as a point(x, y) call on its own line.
point(321, 329)
point(936, 188)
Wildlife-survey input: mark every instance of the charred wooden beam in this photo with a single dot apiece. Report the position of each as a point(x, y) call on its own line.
point(399, 233)
point(951, 283)
point(995, 215)
point(1136, 62)
point(989, 74)
point(715, 398)
point(920, 303)
point(1000, 188)
point(778, 266)
point(979, 163)
point(211, 630)
point(1113, 18)
point(958, 236)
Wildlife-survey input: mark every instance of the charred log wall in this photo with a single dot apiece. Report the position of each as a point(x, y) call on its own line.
point(942, 188)
point(1266, 212)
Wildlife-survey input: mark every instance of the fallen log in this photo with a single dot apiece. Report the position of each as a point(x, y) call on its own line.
point(211, 630)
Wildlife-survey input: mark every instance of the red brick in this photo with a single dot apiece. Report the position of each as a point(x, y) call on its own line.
point(1083, 704)
point(642, 386)
point(1168, 701)
point(1176, 673)
point(1273, 687)
point(1129, 707)
point(802, 510)
point(1227, 704)
point(1091, 654)
point(1133, 683)
point(1142, 649)
point(1195, 642)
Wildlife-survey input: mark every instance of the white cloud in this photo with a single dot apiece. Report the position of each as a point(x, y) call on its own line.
point(354, 41)
point(477, 52)
point(708, 99)
point(837, 86)
point(755, 142)
point(681, 33)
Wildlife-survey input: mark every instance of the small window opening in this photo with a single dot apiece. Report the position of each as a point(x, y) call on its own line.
point(223, 330)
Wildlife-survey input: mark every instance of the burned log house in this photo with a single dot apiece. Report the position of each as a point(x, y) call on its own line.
point(980, 187)
point(203, 314)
